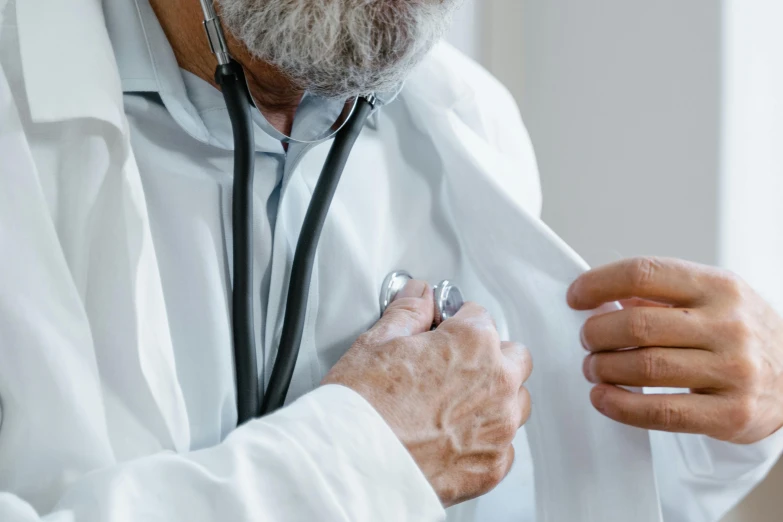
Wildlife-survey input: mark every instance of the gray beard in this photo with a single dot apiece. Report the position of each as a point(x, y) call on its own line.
point(340, 48)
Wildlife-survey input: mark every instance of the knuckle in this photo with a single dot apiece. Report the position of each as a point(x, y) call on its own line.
point(643, 271)
point(744, 370)
point(526, 366)
point(489, 335)
point(640, 326)
point(455, 330)
point(467, 335)
point(654, 366)
point(476, 313)
point(528, 360)
point(740, 416)
point(730, 284)
point(496, 476)
point(667, 416)
point(508, 429)
point(404, 314)
point(526, 404)
point(522, 352)
point(364, 340)
point(475, 334)
point(507, 383)
point(737, 331)
point(496, 473)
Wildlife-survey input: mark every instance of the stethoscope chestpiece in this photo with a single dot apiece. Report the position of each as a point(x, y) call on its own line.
point(393, 285)
point(448, 301)
point(448, 297)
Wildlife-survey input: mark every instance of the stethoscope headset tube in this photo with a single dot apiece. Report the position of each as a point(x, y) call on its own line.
point(304, 257)
point(231, 79)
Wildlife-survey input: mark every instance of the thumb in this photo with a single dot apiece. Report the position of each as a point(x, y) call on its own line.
point(412, 312)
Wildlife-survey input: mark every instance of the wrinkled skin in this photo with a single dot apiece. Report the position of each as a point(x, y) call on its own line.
point(453, 396)
point(691, 326)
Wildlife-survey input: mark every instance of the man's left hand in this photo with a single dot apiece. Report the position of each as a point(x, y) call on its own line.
point(689, 326)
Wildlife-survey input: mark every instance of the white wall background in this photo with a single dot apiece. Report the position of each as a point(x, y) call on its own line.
point(751, 215)
point(659, 130)
point(466, 30)
point(621, 98)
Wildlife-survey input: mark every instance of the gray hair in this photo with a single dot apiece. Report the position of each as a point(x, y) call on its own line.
point(340, 48)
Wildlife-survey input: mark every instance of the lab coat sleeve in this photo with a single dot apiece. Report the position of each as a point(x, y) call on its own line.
point(700, 479)
point(329, 456)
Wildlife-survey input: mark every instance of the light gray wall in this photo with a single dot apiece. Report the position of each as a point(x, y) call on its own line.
point(622, 99)
point(466, 30)
point(752, 153)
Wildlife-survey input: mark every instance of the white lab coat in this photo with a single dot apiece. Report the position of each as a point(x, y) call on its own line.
point(95, 426)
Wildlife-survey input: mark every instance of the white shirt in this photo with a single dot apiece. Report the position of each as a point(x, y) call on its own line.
point(182, 139)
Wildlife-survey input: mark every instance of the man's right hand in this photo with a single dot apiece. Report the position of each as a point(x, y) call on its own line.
point(454, 396)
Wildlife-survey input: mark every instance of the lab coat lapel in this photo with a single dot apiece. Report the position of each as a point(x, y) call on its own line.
point(113, 263)
point(50, 383)
point(587, 467)
point(77, 77)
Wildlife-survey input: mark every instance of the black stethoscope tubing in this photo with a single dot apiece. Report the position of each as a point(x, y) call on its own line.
point(251, 400)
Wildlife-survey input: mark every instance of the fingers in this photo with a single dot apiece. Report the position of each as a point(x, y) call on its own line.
point(470, 312)
point(510, 457)
point(636, 301)
point(472, 327)
point(655, 368)
point(411, 313)
point(669, 281)
point(525, 405)
point(681, 413)
point(519, 364)
point(485, 471)
point(518, 360)
point(645, 326)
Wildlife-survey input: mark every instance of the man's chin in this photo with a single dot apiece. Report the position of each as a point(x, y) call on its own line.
point(343, 87)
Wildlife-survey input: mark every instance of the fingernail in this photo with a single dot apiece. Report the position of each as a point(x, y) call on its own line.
point(413, 288)
point(571, 297)
point(583, 340)
point(587, 369)
point(598, 394)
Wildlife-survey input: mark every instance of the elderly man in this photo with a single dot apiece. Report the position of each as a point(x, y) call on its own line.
point(116, 370)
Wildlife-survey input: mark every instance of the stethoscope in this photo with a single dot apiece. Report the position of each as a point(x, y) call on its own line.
point(239, 103)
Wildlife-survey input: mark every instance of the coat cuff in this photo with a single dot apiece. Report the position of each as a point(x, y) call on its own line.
point(361, 456)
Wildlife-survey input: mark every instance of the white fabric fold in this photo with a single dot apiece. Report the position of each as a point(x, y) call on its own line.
point(299, 464)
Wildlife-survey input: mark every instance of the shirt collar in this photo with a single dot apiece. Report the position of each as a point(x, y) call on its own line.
point(146, 63)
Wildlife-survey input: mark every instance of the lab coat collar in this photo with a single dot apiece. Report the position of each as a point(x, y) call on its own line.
point(78, 77)
point(81, 78)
